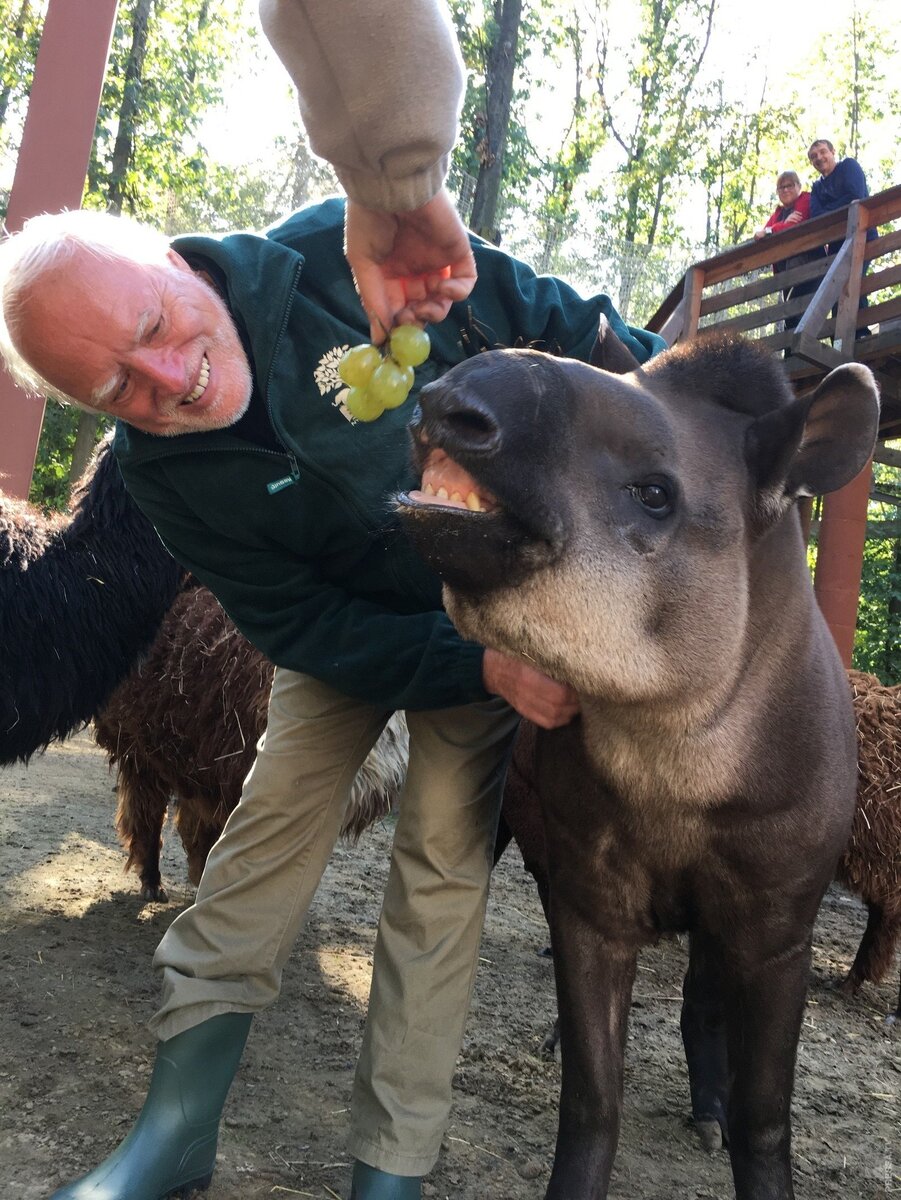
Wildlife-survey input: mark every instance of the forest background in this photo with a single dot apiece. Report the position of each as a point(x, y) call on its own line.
point(612, 144)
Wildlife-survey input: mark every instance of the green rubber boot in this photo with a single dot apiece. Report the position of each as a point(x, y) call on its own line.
point(371, 1184)
point(172, 1148)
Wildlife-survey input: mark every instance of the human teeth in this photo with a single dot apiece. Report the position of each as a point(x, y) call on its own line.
point(473, 503)
point(202, 380)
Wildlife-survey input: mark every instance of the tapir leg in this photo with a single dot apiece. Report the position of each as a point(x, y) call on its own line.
point(764, 1005)
point(594, 986)
point(704, 1038)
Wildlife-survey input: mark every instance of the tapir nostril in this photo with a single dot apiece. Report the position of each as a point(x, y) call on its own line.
point(458, 417)
point(471, 427)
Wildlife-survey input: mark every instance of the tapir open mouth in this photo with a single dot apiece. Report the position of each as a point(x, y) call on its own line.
point(445, 484)
point(469, 535)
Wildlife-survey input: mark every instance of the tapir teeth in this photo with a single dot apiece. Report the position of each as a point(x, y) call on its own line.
point(446, 482)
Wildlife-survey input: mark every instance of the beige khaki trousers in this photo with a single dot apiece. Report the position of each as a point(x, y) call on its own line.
point(226, 953)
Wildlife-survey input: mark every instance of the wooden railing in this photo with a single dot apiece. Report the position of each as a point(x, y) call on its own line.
point(739, 291)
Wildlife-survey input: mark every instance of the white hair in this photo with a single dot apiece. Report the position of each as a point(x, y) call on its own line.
point(45, 244)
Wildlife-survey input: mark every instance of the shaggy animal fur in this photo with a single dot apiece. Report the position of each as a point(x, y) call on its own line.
point(184, 725)
point(871, 865)
point(80, 599)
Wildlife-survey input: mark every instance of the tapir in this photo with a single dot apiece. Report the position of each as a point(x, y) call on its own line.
point(637, 536)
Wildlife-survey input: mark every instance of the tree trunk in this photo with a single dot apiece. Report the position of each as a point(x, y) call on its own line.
point(85, 439)
point(123, 150)
point(499, 93)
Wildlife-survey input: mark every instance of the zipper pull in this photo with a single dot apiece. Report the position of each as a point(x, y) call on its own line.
point(279, 485)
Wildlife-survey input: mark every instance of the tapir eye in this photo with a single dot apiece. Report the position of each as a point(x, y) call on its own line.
point(654, 498)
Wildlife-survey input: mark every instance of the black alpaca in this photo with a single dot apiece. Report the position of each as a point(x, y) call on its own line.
point(80, 600)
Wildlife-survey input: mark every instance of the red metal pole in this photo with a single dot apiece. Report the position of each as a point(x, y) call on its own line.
point(843, 531)
point(50, 174)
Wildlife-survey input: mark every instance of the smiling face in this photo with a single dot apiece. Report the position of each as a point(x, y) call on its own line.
point(822, 158)
point(150, 343)
point(788, 191)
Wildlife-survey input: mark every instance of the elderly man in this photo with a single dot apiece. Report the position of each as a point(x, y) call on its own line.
point(219, 358)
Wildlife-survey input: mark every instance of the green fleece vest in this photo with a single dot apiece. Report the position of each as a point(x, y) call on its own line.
point(302, 548)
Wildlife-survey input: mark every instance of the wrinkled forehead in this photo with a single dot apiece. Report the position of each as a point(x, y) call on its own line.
point(77, 317)
point(84, 289)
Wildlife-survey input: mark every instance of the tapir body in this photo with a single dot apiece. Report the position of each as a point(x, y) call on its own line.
point(639, 540)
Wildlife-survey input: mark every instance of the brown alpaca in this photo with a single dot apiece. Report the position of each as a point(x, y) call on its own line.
point(184, 725)
point(871, 865)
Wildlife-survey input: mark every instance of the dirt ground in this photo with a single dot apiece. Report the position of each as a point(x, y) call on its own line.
point(76, 989)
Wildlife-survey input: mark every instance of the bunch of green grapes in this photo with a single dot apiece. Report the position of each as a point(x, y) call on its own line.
point(380, 380)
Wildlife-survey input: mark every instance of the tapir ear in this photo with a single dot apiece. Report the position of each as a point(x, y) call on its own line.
point(609, 353)
point(820, 442)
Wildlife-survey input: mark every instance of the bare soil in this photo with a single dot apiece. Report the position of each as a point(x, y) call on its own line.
point(76, 989)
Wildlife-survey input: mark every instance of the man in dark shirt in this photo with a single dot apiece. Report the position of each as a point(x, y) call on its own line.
point(840, 182)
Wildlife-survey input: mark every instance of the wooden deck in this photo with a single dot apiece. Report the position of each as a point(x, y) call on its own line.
point(739, 291)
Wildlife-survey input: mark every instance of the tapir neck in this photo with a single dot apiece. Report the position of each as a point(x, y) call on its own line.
point(709, 745)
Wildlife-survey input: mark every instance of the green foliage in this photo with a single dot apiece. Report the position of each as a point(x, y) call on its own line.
point(20, 30)
point(862, 77)
point(647, 92)
point(231, 198)
point(50, 484)
point(845, 90)
point(877, 641)
point(166, 63)
point(739, 158)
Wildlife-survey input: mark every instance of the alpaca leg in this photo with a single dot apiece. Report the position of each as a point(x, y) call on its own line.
point(874, 954)
point(199, 826)
point(140, 815)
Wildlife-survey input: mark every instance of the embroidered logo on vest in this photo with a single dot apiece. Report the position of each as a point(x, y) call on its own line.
point(328, 380)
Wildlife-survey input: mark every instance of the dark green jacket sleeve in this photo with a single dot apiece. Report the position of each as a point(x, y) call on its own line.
point(302, 622)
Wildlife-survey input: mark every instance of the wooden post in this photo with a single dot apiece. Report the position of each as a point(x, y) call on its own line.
point(843, 531)
point(694, 291)
point(849, 300)
point(822, 301)
point(50, 174)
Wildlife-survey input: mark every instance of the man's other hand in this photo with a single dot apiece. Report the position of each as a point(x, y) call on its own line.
point(533, 695)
